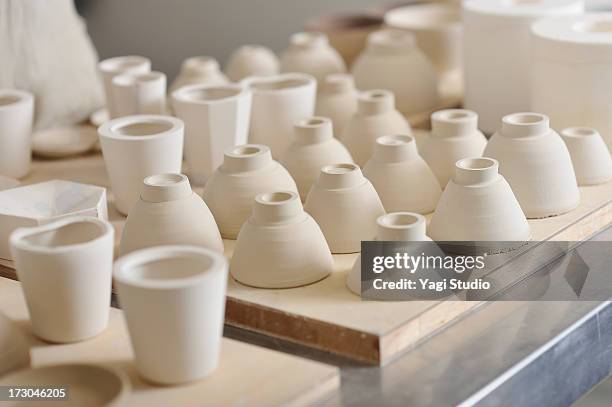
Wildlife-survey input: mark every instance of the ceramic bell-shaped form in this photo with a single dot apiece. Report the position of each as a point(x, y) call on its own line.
point(454, 135)
point(200, 70)
point(311, 53)
point(478, 205)
point(247, 171)
point(251, 60)
point(590, 155)
point(312, 148)
point(536, 163)
point(169, 213)
point(345, 204)
point(403, 180)
point(393, 61)
point(337, 99)
point(375, 116)
point(280, 246)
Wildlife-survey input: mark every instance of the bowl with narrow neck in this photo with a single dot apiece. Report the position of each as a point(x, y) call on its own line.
point(590, 156)
point(16, 118)
point(199, 70)
point(337, 100)
point(251, 60)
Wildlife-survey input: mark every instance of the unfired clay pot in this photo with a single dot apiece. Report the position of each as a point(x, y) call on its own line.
point(403, 180)
point(111, 67)
point(246, 171)
point(251, 60)
point(280, 246)
point(141, 93)
point(200, 70)
point(454, 135)
point(169, 212)
point(312, 148)
point(590, 155)
point(376, 116)
point(536, 163)
point(345, 204)
point(16, 116)
point(337, 99)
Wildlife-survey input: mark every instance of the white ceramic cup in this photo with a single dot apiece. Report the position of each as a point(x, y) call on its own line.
point(65, 269)
point(141, 93)
point(174, 303)
point(111, 67)
point(16, 115)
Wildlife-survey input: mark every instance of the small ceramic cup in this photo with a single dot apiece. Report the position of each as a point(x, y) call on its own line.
point(142, 93)
point(111, 67)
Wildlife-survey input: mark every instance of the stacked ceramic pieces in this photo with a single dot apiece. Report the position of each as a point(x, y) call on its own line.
point(278, 102)
point(109, 68)
point(312, 148)
point(200, 70)
point(216, 118)
point(392, 61)
point(142, 93)
point(337, 99)
point(497, 57)
point(345, 205)
point(478, 205)
point(454, 135)
point(572, 71)
point(403, 180)
point(280, 246)
point(246, 171)
point(251, 60)
point(536, 163)
point(375, 116)
point(169, 212)
point(590, 156)
point(16, 116)
point(310, 53)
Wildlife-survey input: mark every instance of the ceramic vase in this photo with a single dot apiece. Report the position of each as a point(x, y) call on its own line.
point(246, 171)
point(337, 100)
point(183, 287)
point(497, 54)
point(135, 147)
point(536, 163)
point(376, 116)
point(280, 246)
point(199, 70)
point(65, 269)
point(216, 118)
point(251, 60)
point(345, 205)
point(312, 148)
point(16, 116)
point(590, 156)
point(478, 205)
point(403, 180)
point(278, 102)
point(169, 212)
point(311, 53)
point(454, 135)
point(143, 93)
point(111, 67)
point(392, 61)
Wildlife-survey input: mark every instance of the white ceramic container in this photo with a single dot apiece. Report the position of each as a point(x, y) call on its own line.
point(216, 118)
point(16, 116)
point(376, 116)
point(497, 58)
point(246, 171)
point(278, 102)
point(140, 93)
point(135, 147)
point(345, 205)
point(478, 205)
point(403, 180)
point(337, 99)
point(454, 135)
point(111, 67)
point(46, 202)
point(59, 142)
point(65, 270)
point(311, 53)
point(312, 148)
point(536, 163)
point(169, 213)
point(199, 70)
point(571, 70)
point(14, 346)
point(183, 287)
point(280, 246)
point(590, 156)
point(251, 60)
point(392, 61)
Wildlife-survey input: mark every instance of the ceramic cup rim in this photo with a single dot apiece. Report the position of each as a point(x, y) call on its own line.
point(113, 64)
point(109, 129)
point(305, 80)
point(23, 97)
point(182, 94)
point(130, 78)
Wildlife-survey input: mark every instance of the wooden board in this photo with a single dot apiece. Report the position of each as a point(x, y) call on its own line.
point(325, 315)
point(247, 375)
